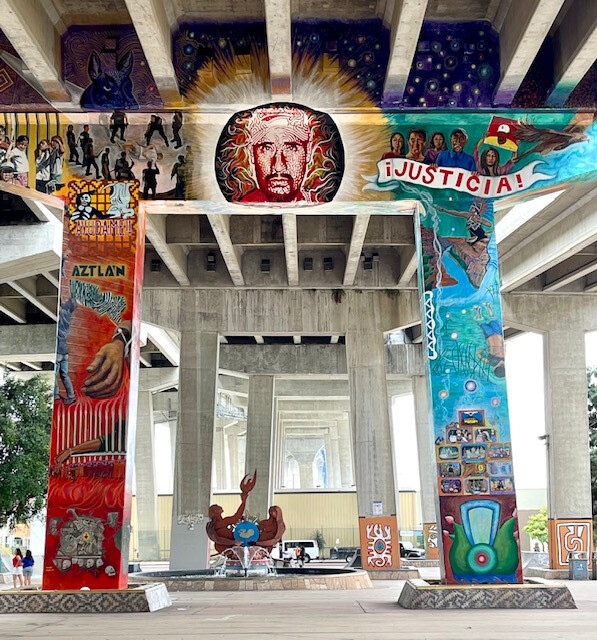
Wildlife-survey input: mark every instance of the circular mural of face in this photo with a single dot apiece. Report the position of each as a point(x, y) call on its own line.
point(279, 154)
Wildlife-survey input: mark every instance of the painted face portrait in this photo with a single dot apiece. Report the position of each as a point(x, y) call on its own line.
point(280, 162)
point(279, 154)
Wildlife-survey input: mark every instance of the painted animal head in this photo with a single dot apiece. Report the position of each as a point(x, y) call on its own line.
point(111, 89)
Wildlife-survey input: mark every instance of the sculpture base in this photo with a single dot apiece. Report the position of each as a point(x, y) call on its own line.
point(136, 599)
point(419, 594)
point(394, 574)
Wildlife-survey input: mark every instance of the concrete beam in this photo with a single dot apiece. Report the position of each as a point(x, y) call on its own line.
point(33, 249)
point(407, 20)
point(34, 341)
point(279, 48)
point(31, 32)
point(359, 231)
point(220, 224)
point(571, 276)
point(163, 340)
point(53, 277)
point(45, 208)
point(27, 287)
point(575, 44)
point(173, 256)
point(291, 248)
point(153, 29)
point(521, 36)
point(557, 243)
point(14, 308)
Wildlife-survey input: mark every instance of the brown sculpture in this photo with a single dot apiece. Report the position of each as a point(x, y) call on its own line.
point(220, 529)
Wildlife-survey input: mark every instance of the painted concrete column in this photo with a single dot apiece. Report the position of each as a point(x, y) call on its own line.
point(345, 453)
point(147, 499)
point(370, 415)
point(427, 473)
point(569, 484)
point(369, 412)
point(199, 360)
point(260, 443)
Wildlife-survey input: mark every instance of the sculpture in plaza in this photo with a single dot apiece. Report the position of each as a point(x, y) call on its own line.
point(233, 531)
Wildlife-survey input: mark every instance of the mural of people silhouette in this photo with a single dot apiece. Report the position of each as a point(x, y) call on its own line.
point(110, 88)
point(280, 153)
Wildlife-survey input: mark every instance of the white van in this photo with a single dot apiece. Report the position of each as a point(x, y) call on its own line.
point(311, 549)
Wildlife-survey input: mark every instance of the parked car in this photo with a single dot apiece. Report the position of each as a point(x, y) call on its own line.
point(311, 549)
point(408, 550)
point(342, 553)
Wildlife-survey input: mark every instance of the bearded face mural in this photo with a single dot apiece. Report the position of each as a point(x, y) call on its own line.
point(280, 153)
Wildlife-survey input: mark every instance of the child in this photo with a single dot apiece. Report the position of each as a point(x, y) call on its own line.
point(18, 156)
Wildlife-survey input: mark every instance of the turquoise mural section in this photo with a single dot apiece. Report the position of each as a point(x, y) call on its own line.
point(459, 286)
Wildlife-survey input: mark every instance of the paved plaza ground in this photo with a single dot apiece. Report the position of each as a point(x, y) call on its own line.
point(331, 615)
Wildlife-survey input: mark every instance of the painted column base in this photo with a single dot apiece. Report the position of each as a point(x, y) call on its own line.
point(566, 536)
point(138, 599)
point(418, 594)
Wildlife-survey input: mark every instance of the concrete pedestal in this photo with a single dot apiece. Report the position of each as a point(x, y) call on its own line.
point(137, 599)
point(418, 594)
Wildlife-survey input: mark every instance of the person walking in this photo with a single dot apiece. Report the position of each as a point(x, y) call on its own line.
point(150, 180)
point(176, 127)
point(118, 123)
point(71, 141)
point(90, 159)
point(105, 162)
point(17, 568)
point(28, 563)
point(155, 125)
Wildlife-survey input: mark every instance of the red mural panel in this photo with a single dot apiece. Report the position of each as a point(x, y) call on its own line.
point(95, 393)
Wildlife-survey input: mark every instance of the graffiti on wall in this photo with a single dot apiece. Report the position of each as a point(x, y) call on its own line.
point(109, 67)
point(95, 390)
point(279, 154)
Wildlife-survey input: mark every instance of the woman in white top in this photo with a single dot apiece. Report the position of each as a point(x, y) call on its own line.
point(18, 156)
point(42, 165)
point(56, 159)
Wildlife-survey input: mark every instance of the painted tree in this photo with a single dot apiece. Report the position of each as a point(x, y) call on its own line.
point(536, 526)
point(592, 408)
point(25, 422)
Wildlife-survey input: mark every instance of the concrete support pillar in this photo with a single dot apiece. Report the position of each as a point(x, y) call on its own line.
point(365, 355)
point(345, 452)
point(172, 426)
point(147, 499)
point(329, 462)
point(199, 361)
point(305, 472)
point(427, 472)
point(232, 440)
point(335, 457)
point(569, 483)
point(260, 443)
point(218, 480)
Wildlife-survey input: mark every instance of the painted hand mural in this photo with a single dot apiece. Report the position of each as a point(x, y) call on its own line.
point(96, 387)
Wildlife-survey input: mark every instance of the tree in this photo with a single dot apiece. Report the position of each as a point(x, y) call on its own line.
point(536, 526)
point(25, 423)
point(592, 409)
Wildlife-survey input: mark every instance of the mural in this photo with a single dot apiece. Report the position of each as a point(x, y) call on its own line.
point(95, 392)
point(15, 92)
point(279, 154)
point(109, 67)
point(455, 65)
point(456, 172)
point(566, 537)
point(380, 547)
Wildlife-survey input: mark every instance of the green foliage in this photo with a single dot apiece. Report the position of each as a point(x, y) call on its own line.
point(592, 409)
point(536, 526)
point(25, 423)
point(317, 535)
